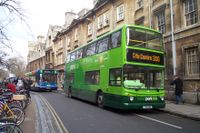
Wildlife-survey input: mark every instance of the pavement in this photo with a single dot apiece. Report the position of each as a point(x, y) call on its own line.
point(191, 111)
point(28, 126)
point(186, 110)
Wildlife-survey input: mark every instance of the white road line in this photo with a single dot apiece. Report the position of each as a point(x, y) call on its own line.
point(165, 123)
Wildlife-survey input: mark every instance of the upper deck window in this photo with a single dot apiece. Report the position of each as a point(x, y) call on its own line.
point(115, 39)
point(144, 38)
point(102, 45)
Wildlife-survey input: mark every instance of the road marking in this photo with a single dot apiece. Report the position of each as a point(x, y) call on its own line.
point(55, 115)
point(162, 122)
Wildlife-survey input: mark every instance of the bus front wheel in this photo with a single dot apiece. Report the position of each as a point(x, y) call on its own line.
point(99, 100)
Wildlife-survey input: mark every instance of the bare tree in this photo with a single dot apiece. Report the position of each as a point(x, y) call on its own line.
point(3, 74)
point(3, 60)
point(13, 7)
point(12, 11)
point(16, 66)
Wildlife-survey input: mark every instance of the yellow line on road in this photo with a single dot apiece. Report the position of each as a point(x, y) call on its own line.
point(55, 115)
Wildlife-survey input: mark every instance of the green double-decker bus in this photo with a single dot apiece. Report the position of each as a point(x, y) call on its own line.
point(121, 69)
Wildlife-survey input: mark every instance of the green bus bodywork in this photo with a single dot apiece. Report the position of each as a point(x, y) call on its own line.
point(127, 74)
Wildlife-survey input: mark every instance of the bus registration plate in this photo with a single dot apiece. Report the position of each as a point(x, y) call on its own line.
point(147, 107)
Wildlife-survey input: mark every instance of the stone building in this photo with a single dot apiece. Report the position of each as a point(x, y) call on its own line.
point(50, 50)
point(180, 26)
point(59, 46)
point(36, 54)
point(110, 14)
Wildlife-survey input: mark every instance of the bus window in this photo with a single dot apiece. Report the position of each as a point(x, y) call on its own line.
point(73, 56)
point(68, 58)
point(144, 38)
point(92, 77)
point(84, 52)
point(91, 49)
point(79, 53)
point(115, 39)
point(37, 78)
point(71, 79)
point(148, 78)
point(102, 45)
point(49, 78)
point(115, 77)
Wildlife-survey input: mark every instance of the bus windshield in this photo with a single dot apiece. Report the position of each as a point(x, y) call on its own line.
point(144, 38)
point(142, 78)
point(49, 78)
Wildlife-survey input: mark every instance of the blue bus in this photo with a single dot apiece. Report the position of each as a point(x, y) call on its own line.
point(43, 79)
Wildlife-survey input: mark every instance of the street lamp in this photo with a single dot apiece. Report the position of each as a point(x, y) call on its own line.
point(172, 34)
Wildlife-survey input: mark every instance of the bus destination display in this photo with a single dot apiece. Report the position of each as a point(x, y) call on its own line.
point(145, 57)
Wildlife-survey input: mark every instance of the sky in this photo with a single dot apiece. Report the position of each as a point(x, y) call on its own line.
point(39, 15)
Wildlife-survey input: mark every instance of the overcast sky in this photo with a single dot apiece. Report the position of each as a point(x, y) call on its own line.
point(41, 13)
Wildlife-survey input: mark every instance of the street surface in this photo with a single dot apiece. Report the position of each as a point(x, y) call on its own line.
point(83, 117)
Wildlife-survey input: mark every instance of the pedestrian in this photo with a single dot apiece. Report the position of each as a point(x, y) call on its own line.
point(178, 82)
point(20, 84)
point(27, 86)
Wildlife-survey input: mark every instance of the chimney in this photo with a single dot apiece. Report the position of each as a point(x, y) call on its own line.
point(69, 17)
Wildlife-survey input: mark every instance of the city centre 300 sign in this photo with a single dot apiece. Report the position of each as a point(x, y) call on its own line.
point(145, 57)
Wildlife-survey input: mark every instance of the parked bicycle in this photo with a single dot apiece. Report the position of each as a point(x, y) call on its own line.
point(8, 127)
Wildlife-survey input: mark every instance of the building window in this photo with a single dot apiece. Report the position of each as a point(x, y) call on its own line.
point(192, 65)
point(140, 21)
point(60, 44)
point(139, 4)
point(69, 42)
point(100, 22)
point(49, 37)
point(120, 12)
point(161, 21)
point(89, 29)
point(106, 19)
point(59, 59)
point(191, 12)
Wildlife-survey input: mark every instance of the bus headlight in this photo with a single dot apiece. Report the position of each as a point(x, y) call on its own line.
point(162, 98)
point(131, 98)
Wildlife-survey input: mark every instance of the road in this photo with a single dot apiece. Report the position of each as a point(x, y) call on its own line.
point(83, 117)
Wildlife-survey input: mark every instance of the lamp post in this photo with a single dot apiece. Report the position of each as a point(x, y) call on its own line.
point(172, 35)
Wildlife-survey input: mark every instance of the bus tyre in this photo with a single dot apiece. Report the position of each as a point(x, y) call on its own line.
point(100, 100)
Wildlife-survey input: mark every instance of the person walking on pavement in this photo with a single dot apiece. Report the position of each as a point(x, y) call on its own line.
point(178, 82)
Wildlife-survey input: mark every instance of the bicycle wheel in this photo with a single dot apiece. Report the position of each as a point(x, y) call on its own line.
point(19, 115)
point(10, 128)
point(16, 104)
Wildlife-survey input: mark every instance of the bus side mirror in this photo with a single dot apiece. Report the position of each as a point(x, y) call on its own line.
point(40, 77)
